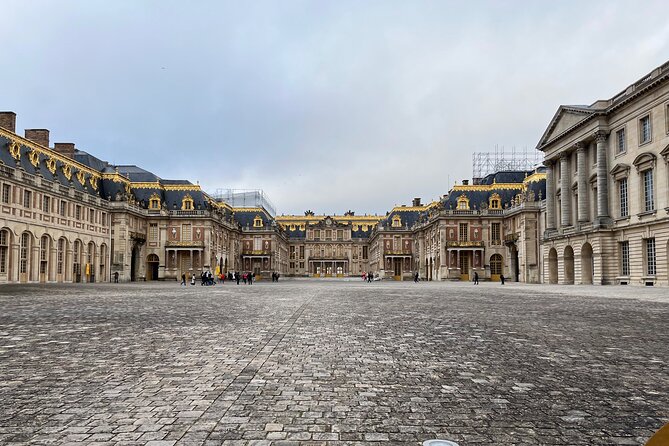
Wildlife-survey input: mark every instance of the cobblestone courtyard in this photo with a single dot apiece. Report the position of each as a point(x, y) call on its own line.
point(310, 362)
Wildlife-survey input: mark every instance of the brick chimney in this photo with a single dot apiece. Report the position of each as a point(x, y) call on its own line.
point(64, 148)
point(416, 202)
point(39, 136)
point(465, 182)
point(8, 121)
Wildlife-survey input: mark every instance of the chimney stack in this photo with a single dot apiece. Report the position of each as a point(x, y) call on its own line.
point(8, 121)
point(465, 182)
point(39, 136)
point(65, 148)
point(416, 202)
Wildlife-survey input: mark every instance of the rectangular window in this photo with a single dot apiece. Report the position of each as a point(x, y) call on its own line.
point(302, 265)
point(317, 234)
point(620, 141)
point(63, 207)
point(622, 195)
point(27, 198)
point(153, 231)
point(186, 234)
point(650, 257)
point(46, 204)
point(77, 212)
point(328, 234)
point(340, 234)
point(649, 200)
point(292, 265)
point(91, 215)
point(364, 253)
point(301, 252)
point(625, 258)
point(463, 232)
point(23, 253)
point(495, 234)
point(292, 252)
point(103, 219)
point(644, 130)
point(6, 193)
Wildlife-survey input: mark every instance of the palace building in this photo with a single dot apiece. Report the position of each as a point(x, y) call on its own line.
point(607, 202)
point(596, 212)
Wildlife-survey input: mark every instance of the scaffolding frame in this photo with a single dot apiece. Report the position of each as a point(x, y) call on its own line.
point(245, 198)
point(485, 163)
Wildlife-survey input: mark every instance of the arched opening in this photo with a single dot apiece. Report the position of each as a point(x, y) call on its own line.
point(24, 257)
point(552, 266)
point(44, 250)
point(76, 261)
point(496, 267)
point(90, 263)
point(152, 262)
point(5, 239)
point(103, 263)
point(134, 263)
point(569, 265)
point(60, 259)
point(515, 265)
point(587, 265)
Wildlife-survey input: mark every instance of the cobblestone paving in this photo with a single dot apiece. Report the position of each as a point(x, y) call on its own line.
point(311, 362)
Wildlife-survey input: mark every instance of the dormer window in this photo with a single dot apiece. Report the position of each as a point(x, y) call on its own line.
point(463, 202)
point(187, 203)
point(154, 202)
point(397, 221)
point(257, 222)
point(495, 202)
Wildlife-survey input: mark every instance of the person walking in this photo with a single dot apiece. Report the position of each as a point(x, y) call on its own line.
point(115, 276)
point(183, 279)
point(415, 277)
point(476, 278)
point(192, 279)
point(501, 278)
point(237, 277)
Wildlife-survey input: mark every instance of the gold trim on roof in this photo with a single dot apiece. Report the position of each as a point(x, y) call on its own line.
point(488, 187)
point(51, 165)
point(33, 156)
point(17, 141)
point(67, 171)
point(535, 177)
point(81, 177)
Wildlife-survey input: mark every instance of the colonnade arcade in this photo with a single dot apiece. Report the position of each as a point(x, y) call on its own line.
point(328, 268)
point(26, 258)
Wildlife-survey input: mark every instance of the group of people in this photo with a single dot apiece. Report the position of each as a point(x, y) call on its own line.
point(275, 277)
point(206, 279)
point(368, 276)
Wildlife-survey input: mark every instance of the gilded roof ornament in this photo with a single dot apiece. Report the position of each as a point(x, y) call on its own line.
point(81, 177)
point(33, 156)
point(51, 165)
point(67, 171)
point(15, 150)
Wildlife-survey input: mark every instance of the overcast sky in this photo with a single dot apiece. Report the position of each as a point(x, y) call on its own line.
point(326, 105)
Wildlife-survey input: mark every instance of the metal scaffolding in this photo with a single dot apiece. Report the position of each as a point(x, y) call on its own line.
point(245, 198)
point(485, 163)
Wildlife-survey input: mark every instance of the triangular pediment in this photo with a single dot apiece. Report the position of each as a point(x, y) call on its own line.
point(565, 118)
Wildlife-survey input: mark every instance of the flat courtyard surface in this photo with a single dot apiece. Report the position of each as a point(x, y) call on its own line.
point(332, 362)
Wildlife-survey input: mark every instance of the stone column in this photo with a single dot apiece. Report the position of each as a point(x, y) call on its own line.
point(602, 178)
point(582, 183)
point(565, 194)
point(550, 195)
point(14, 262)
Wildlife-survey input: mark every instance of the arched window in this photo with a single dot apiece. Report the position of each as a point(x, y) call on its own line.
point(60, 256)
point(495, 202)
point(154, 201)
point(496, 265)
point(103, 261)
point(397, 221)
point(44, 254)
point(76, 261)
point(24, 253)
point(187, 203)
point(4, 251)
point(257, 222)
point(463, 202)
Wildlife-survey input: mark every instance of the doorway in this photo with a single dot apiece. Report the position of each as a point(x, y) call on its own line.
point(464, 266)
point(152, 263)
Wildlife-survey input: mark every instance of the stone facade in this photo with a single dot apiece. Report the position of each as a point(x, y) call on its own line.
point(606, 214)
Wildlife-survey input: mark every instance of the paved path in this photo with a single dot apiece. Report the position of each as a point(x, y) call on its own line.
point(338, 362)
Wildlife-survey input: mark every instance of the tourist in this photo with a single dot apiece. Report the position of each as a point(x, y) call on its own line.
point(237, 277)
point(364, 276)
point(192, 279)
point(476, 278)
point(415, 277)
point(116, 277)
point(183, 279)
point(501, 278)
